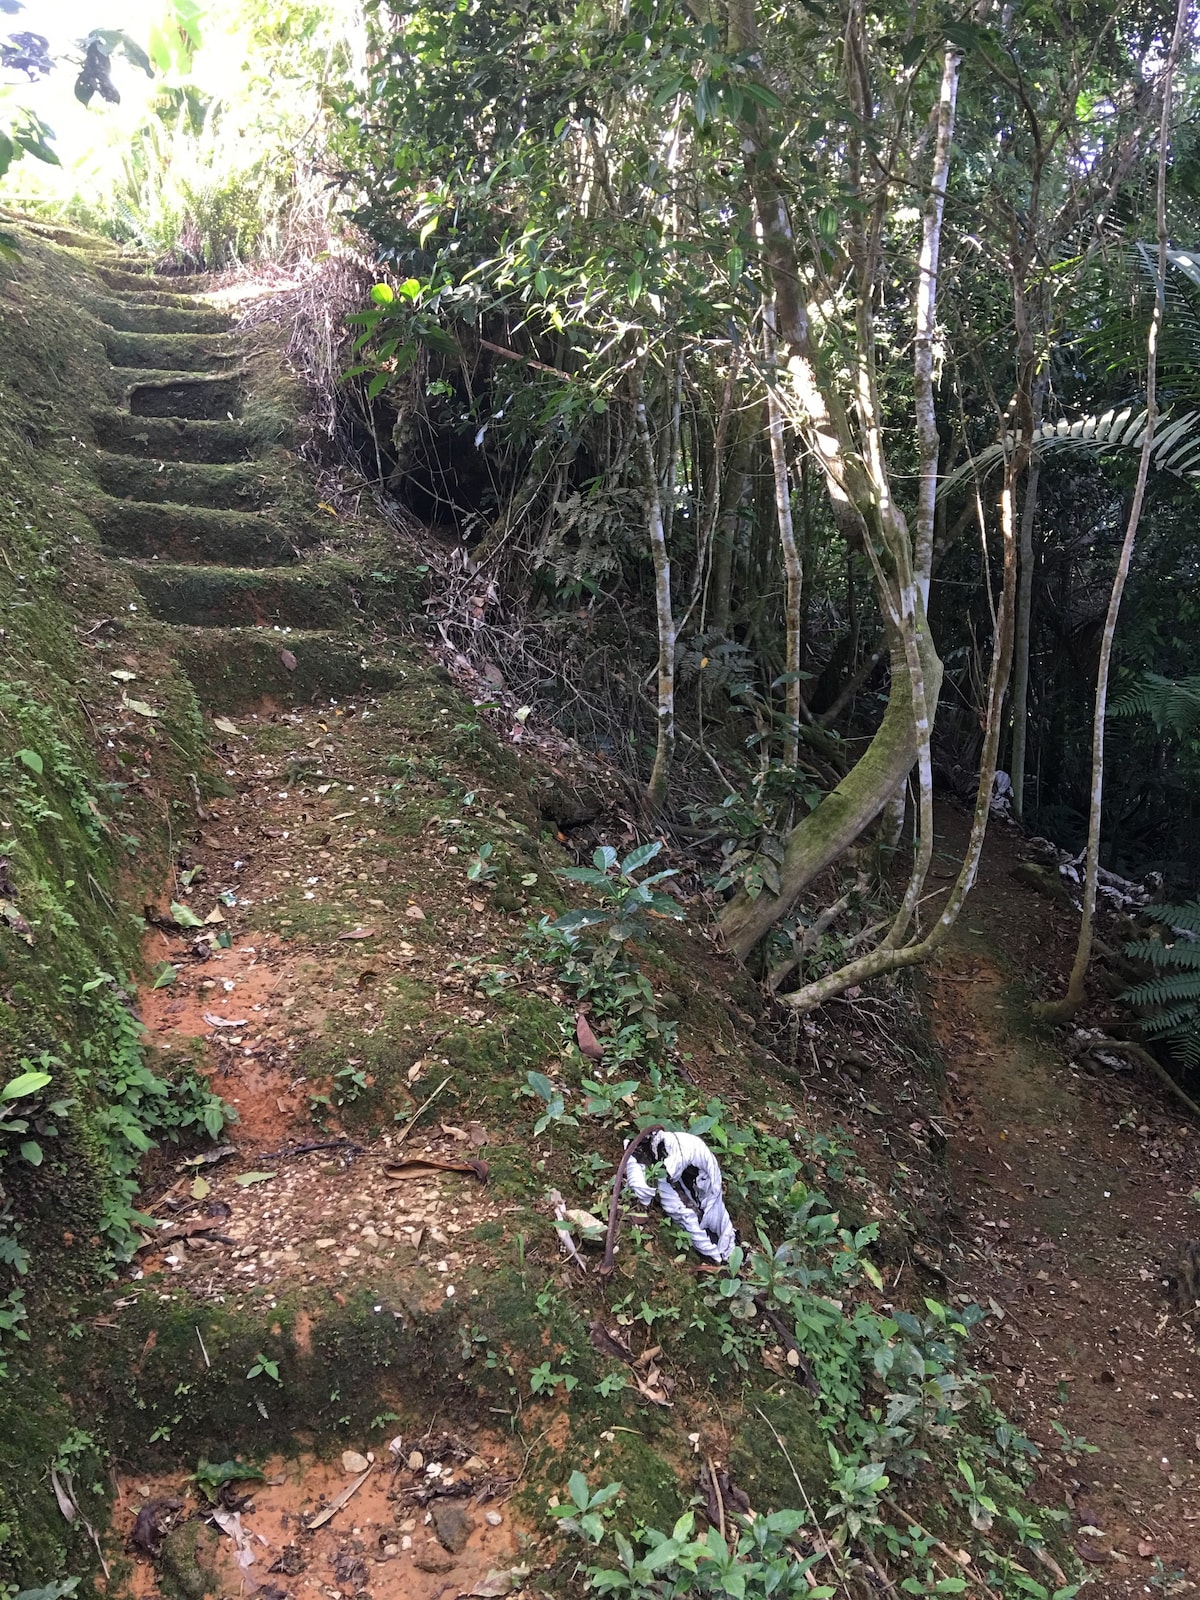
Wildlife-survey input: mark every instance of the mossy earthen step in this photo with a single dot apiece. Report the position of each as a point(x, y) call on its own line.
point(310, 594)
point(198, 534)
point(174, 438)
point(233, 668)
point(170, 352)
point(155, 283)
point(203, 397)
point(142, 316)
point(144, 296)
point(240, 486)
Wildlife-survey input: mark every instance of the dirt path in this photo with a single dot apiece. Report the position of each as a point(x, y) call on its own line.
point(1074, 1188)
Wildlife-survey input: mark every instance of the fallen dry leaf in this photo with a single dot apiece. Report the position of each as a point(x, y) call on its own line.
point(358, 933)
point(421, 1166)
point(214, 1021)
point(588, 1042)
point(608, 1341)
point(288, 660)
point(336, 1504)
point(414, 913)
point(168, 1231)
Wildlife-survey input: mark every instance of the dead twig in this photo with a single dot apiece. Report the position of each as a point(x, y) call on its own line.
point(614, 1209)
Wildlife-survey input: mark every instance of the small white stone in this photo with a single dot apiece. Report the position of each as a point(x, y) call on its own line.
point(416, 1461)
point(493, 1519)
point(353, 1462)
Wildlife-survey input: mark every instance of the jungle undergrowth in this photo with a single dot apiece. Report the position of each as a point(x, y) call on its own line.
point(893, 1392)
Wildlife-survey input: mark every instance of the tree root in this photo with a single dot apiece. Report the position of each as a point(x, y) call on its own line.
point(1144, 1058)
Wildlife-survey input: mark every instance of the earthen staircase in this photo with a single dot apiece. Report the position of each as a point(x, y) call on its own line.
point(212, 518)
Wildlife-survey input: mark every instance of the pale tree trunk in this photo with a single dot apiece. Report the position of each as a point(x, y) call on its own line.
point(844, 814)
point(1062, 1010)
point(660, 776)
point(856, 481)
point(928, 443)
point(892, 959)
point(792, 570)
point(1022, 642)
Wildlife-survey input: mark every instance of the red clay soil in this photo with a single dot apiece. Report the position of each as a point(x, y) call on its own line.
point(1076, 1185)
point(430, 1519)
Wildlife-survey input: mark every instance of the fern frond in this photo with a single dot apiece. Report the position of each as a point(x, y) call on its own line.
point(1183, 956)
point(1172, 704)
point(1172, 1023)
point(1175, 448)
point(1168, 990)
point(1186, 917)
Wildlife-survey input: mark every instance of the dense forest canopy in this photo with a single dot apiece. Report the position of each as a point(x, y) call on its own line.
point(784, 382)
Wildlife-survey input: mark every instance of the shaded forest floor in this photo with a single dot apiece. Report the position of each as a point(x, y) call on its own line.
point(1074, 1185)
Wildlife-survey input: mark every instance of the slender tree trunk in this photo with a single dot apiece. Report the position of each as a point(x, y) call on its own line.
point(660, 776)
point(1021, 647)
point(928, 443)
point(889, 958)
point(1064, 1009)
point(734, 491)
point(792, 570)
point(844, 814)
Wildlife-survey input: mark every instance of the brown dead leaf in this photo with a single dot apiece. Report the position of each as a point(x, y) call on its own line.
point(1092, 1552)
point(588, 1042)
point(358, 933)
point(414, 913)
point(608, 1341)
point(652, 1387)
point(288, 660)
point(422, 1166)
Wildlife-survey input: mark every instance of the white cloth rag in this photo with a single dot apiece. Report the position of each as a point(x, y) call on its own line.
point(689, 1191)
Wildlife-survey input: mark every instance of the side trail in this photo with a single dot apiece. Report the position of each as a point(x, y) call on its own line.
point(1074, 1183)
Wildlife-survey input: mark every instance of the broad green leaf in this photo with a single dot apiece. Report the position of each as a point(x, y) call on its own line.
point(184, 916)
point(639, 857)
point(383, 294)
point(245, 1179)
point(577, 1488)
point(26, 1084)
point(32, 1151)
point(32, 760)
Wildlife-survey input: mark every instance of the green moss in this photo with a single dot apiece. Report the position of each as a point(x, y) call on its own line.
point(169, 352)
point(757, 1457)
point(36, 1543)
